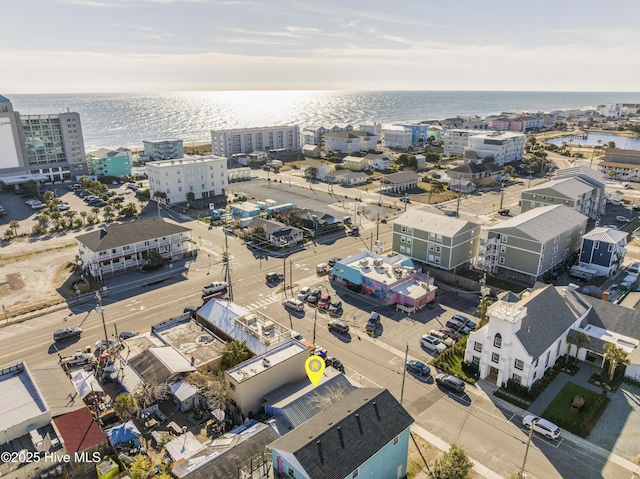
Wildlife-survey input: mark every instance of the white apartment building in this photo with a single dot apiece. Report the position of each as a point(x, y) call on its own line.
point(163, 149)
point(455, 141)
point(503, 146)
point(348, 142)
point(372, 127)
point(204, 176)
point(245, 140)
point(396, 136)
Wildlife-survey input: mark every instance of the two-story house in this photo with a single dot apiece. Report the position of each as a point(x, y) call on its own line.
point(364, 434)
point(278, 234)
point(603, 250)
point(124, 247)
point(527, 246)
point(437, 240)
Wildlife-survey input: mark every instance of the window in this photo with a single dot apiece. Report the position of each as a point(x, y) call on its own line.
point(501, 260)
point(497, 341)
point(395, 440)
point(402, 239)
point(475, 360)
point(403, 229)
point(290, 472)
point(408, 240)
point(504, 238)
point(546, 361)
point(596, 245)
point(432, 236)
point(610, 248)
point(495, 357)
point(503, 249)
point(558, 348)
point(516, 378)
point(477, 346)
point(432, 247)
point(356, 473)
point(518, 364)
point(232, 386)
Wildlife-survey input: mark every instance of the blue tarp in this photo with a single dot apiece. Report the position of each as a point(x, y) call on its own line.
point(122, 433)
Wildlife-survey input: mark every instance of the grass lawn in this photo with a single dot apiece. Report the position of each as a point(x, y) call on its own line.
point(580, 423)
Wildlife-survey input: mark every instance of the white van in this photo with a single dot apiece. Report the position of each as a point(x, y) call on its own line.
point(294, 304)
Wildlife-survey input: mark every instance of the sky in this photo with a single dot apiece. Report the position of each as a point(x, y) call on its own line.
point(78, 46)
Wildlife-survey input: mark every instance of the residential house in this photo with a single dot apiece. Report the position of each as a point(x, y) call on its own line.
point(349, 178)
point(622, 165)
point(160, 364)
point(203, 176)
point(501, 147)
point(244, 140)
point(318, 223)
point(419, 132)
point(248, 382)
point(104, 162)
point(365, 434)
point(244, 210)
point(356, 163)
point(398, 182)
point(577, 193)
point(239, 174)
point(258, 156)
point(278, 234)
point(311, 151)
point(526, 336)
point(437, 240)
point(477, 173)
point(162, 149)
point(313, 134)
point(124, 247)
point(238, 453)
point(396, 136)
point(324, 172)
point(348, 142)
point(380, 162)
point(388, 280)
point(603, 250)
point(525, 247)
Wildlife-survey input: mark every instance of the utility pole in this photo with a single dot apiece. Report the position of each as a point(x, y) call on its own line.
point(521, 474)
point(104, 325)
point(227, 272)
point(6, 314)
point(501, 194)
point(404, 373)
point(458, 206)
point(284, 273)
point(406, 198)
point(378, 226)
point(291, 276)
point(371, 239)
point(315, 319)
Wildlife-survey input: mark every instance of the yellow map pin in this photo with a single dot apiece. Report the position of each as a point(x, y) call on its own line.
point(315, 368)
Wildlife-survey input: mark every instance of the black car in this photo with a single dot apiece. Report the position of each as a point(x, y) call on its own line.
point(124, 335)
point(332, 262)
point(504, 212)
point(191, 310)
point(339, 327)
point(334, 363)
point(274, 277)
point(418, 369)
point(314, 296)
point(450, 382)
point(67, 333)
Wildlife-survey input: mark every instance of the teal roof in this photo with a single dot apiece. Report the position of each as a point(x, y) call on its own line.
point(4, 99)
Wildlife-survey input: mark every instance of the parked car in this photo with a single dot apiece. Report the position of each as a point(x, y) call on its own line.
point(3, 212)
point(105, 344)
point(622, 219)
point(466, 321)
point(450, 382)
point(452, 333)
point(215, 287)
point(124, 335)
point(323, 302)
point(67, 333)
point(418, 369)
point(191, 310)
point(503, 212)
point(332, 262)
point(304, 293)
point(373, 322)
point(404, 199)
point(335, 307)
point(334, 363)
point(444, 339)
point(541, 426)
point(339, 327)
point(274, 277)
point(294, 304)
point(314, 296)
point(432, 344)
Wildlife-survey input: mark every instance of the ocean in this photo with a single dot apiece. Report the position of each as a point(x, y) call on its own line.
point(111, 120)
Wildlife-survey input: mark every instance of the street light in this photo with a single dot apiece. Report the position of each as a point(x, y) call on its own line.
point(209, 270)
point(104, 325)
point(521, 474)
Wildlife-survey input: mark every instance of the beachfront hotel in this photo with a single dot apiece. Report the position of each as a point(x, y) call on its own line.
point(246, 140)
point(48, 146)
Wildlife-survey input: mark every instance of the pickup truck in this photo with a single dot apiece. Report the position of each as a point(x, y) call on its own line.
point(78, 359)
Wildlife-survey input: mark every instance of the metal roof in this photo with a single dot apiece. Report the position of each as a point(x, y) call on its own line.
point(434, 223)
point(606, 235)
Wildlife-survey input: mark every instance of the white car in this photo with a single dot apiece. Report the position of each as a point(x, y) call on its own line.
point(432, 344)
point(541, 426)
point(304, 292)
point(622, 219)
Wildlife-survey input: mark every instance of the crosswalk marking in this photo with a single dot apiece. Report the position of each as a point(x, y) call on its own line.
point(261, 303)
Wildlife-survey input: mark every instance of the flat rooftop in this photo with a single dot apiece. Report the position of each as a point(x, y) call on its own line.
point(191, 339)
point(20, 399)
point(255, 366)
point(187, 160)
point(380, 268)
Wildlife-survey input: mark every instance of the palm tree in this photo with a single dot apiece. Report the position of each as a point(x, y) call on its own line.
point(615, 356)
point(14, 226)
point(107, 213)
point(234, 353)
point(125, 405)
point(84, 214)
point(579, 339)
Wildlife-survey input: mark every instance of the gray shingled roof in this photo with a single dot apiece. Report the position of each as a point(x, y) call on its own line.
point(338, 440)
point(434, 223)
point(402, 177)
point(548, 317)
point(572, 187)
point(115, 236)
point(612, 317)
point(274, 228)
point(542, 223)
